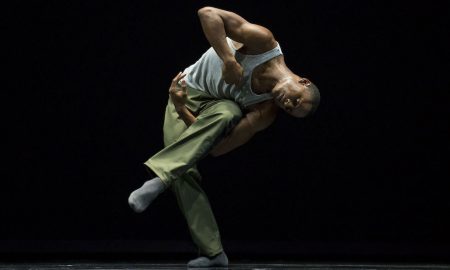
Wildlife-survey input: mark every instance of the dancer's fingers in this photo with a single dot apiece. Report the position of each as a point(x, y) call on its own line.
point(176, 79)
point(182, 76)
point(175, 87)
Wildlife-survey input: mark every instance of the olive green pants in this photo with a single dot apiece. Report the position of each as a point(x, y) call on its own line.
point(184, 147)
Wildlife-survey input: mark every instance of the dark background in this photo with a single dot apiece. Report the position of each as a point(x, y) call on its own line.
point(363, 179)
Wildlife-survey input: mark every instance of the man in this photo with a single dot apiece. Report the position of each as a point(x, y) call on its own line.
point(217, 104)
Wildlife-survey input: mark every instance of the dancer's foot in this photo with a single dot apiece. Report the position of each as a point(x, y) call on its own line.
point(142, 197)
point(220, 260)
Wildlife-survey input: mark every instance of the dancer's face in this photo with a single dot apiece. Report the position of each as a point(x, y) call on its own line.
point(293, 98)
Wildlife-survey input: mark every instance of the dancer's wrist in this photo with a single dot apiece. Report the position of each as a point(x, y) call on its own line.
point(185, 115)
point(180, 108)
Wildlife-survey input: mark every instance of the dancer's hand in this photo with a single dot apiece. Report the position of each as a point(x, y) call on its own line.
point(232, 72)
point(178, 94)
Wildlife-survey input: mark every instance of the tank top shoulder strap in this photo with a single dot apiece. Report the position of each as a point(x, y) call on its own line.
point(257, 59)
point(230, 44)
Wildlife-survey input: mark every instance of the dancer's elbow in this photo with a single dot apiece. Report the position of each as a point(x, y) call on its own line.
point(205, 11)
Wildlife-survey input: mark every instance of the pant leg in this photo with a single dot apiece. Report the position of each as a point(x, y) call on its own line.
point(195, 206)
point(191, 198)
point(214, 121)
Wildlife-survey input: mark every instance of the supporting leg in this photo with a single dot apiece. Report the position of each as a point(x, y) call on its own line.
point(194, 205)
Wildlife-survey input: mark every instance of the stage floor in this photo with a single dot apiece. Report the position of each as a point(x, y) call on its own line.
point(238, 266)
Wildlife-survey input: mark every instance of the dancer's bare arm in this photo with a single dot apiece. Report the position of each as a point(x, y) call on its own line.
point(256, 120)
point(178, 95)
point(217, 24)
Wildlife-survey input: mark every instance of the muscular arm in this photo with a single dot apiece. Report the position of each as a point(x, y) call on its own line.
point(217, 24)
point(253, 122)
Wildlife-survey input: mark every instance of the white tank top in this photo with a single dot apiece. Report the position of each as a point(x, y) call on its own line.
point(206, 75)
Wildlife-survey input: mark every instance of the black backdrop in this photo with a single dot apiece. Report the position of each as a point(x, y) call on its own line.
point(365, 178)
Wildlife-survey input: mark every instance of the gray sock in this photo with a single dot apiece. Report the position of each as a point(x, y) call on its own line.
point(219, 260)
point(142, 197)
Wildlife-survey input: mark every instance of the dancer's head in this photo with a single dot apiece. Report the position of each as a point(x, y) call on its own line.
point(298, 97)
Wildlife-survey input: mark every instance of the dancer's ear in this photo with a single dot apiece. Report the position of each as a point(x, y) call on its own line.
point(304, 81)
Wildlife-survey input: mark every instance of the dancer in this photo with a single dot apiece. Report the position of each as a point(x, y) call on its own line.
point(217, 104)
